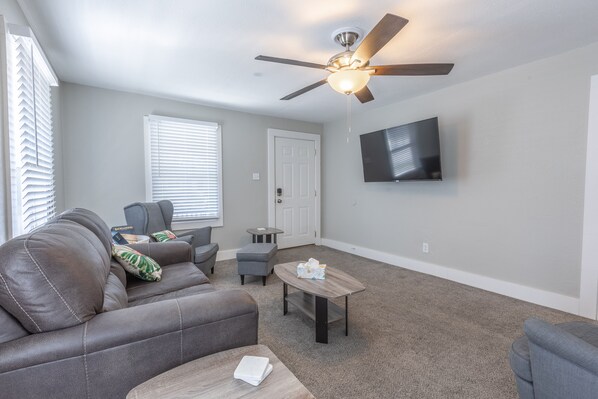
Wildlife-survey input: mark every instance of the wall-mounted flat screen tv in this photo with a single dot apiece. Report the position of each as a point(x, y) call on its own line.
point(402, 153)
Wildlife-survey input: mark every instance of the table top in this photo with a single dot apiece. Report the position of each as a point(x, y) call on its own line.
point(335, 285)
point(267, 230)
point(212, 377)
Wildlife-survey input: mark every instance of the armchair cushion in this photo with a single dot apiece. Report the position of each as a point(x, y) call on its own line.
point(204, 252)
point(164, 235)
point(139, 265)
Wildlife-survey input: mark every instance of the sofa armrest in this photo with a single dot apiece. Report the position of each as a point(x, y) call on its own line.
point(166, 253)
point(116, 351)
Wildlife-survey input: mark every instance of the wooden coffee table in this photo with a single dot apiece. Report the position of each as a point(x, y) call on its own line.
point(313, 297)
point(212, 377)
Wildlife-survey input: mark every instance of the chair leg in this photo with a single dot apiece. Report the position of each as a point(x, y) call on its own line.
point(264, 280)
point(212, 269)
point(242, 279)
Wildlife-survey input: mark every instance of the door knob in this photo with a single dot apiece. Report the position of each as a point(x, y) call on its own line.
point(279, 201)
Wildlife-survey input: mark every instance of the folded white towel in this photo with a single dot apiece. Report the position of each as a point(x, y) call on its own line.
point(253, 369)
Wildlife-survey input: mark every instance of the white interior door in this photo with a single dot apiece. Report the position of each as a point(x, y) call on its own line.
point(295, 196)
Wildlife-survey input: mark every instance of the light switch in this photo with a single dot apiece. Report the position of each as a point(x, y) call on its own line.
point(256, 176)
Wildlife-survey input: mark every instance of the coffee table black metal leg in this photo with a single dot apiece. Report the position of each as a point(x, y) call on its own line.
point(346, 315)
point(321, 320)
point(253, 238)
point(285, 292)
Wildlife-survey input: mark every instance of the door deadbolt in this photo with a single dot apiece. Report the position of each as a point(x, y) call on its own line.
point(279, 192)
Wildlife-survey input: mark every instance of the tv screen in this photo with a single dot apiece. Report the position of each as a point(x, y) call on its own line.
point(402, 153)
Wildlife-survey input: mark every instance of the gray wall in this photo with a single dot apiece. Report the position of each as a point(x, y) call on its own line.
point(103, 155)
point(513, 155)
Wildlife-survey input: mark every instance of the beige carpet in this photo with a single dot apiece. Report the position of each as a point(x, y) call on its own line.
point(410, 335)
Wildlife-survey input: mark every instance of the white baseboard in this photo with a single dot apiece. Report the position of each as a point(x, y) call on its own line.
point(529, 294)
point(227, 254)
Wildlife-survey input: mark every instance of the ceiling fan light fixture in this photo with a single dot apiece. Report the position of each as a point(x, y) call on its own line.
point(348, 81)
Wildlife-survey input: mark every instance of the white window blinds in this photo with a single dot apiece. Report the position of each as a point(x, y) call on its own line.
point(183, 165)
point(30, 78)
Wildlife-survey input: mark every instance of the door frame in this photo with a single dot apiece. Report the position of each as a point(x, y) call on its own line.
point(588, 290)
point(272, 135)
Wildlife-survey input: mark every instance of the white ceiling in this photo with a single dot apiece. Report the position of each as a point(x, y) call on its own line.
point(203, 51)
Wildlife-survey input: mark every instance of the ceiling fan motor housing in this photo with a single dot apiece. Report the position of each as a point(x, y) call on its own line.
point(347, 37)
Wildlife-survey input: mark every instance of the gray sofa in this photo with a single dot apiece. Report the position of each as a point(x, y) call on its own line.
point(150, 217)
point(74, 325)
point(556, 361)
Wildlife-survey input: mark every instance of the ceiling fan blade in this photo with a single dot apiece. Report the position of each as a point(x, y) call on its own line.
point(304, 90)
point(364, 95)
point(385, 30)
point(412, 69)
point(290, 62)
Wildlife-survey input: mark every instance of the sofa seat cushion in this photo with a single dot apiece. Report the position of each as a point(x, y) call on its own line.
point(519, 356)
point(195, 290)
point(205, 252)
point(174, 277)
point(258, 252)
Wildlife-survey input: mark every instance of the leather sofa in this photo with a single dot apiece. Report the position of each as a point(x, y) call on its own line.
point(150, 217)
point(73, 324)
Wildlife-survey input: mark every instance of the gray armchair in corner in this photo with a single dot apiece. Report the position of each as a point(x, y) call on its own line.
point(150, 217)
point(556, 361)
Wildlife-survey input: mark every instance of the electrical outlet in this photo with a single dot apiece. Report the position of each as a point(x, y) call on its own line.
point(425, 247)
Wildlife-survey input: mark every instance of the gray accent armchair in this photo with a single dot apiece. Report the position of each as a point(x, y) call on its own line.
point(150, 217)
point(556, 361)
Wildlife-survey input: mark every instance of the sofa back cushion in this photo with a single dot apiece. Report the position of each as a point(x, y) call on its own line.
point(53, 277)
point(91, 221)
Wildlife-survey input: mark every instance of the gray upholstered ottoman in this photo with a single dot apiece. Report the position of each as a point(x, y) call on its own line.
point(256, 260)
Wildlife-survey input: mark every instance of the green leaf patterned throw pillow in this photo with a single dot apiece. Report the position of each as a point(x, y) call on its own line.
point(139, 265)
point(164, 235)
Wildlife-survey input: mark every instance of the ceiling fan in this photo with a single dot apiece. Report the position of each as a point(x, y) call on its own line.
point(350, 70)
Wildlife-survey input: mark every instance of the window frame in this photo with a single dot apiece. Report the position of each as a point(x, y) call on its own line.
point(13, 155)
point(183, 224)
